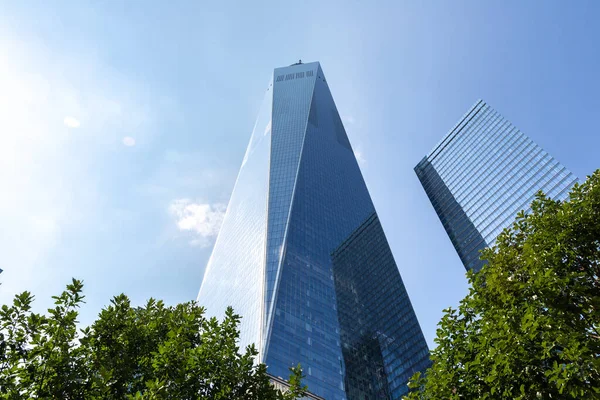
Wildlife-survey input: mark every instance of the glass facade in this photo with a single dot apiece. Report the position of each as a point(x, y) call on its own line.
point(321, 287)
point(481, 174)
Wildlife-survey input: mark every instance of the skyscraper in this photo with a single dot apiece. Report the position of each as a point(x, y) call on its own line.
point(481, 174)
point(302, 256)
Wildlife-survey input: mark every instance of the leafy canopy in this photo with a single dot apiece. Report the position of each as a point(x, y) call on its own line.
point(153, 352)
point(530, 326)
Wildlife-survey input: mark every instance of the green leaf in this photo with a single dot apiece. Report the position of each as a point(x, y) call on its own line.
point(529, 327)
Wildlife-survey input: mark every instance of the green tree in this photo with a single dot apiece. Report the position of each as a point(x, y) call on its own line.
point(530, 326)
point(152, 352)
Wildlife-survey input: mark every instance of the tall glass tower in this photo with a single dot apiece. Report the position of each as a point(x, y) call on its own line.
point(302, 256)
point(481, 174)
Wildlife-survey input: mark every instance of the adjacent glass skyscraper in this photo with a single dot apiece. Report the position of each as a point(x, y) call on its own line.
point(302, 256)
point(481, 174)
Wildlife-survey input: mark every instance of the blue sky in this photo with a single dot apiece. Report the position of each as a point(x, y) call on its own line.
point(123, 124)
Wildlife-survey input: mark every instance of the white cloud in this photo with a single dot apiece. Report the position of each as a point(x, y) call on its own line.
point(71, 122)
point(201, 220)
point(129, 141)
point(360, 157)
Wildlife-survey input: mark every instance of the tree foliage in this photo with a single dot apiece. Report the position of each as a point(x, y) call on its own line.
point(153, 352)
point(530, 326)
